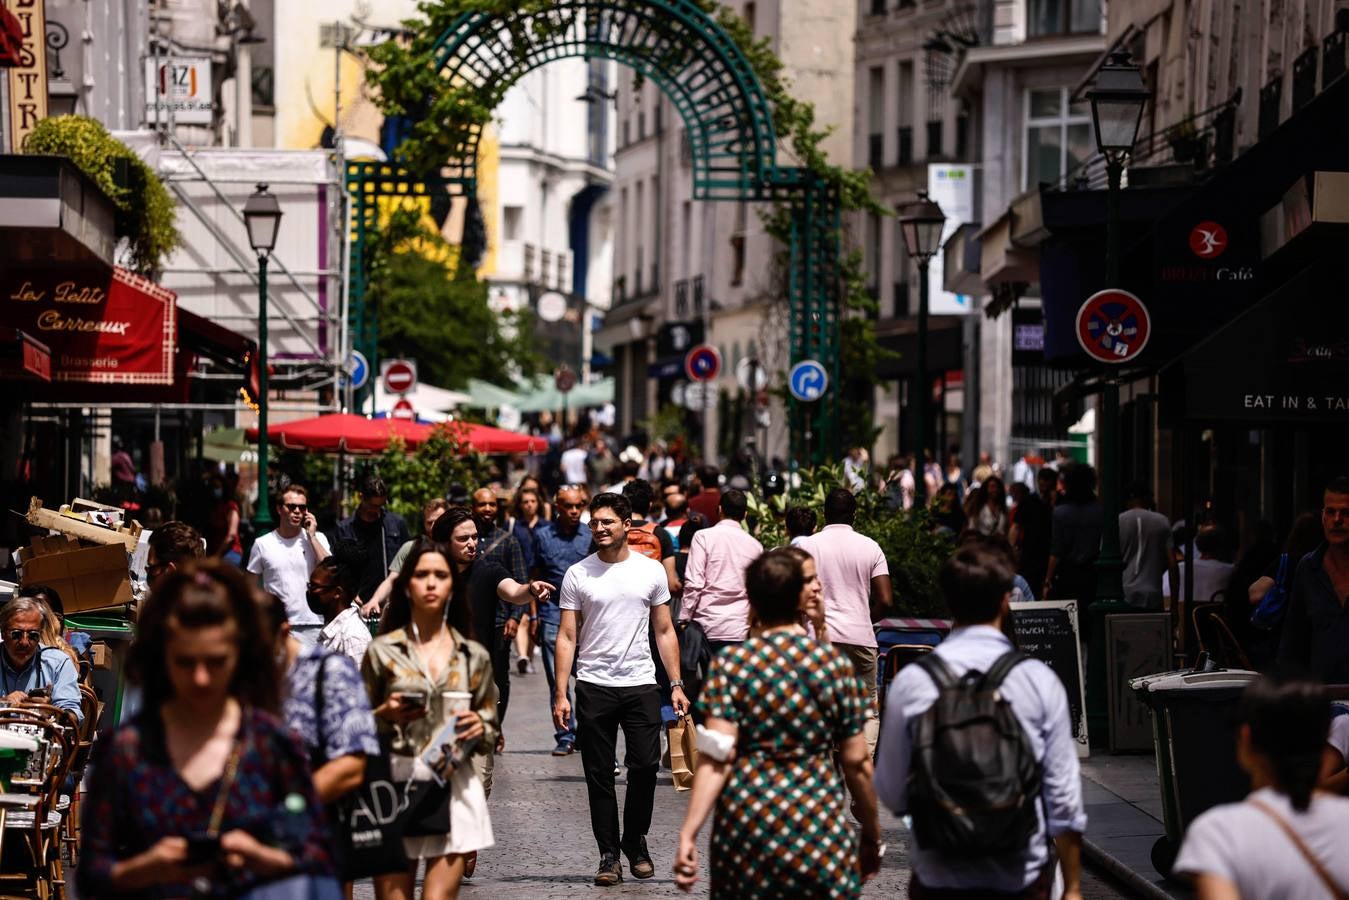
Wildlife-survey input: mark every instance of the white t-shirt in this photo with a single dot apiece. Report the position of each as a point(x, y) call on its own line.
point(1242, 844)
point(1210, 576)
point(614, 600)
point(573, 463)
point(1339, 736)
point(285, 565)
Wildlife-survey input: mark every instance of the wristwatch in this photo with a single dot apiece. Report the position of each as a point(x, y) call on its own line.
point(677, 683)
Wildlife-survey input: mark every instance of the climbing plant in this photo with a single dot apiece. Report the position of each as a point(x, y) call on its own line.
point(441, 116)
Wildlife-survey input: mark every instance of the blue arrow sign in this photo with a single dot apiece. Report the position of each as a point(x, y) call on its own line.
point(357, 370)
point(808, 380)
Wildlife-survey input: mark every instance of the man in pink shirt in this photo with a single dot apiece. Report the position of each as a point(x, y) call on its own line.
point(714, 581)
point(856, 581)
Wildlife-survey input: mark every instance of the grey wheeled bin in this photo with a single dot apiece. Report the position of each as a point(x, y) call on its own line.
point(1194, 731)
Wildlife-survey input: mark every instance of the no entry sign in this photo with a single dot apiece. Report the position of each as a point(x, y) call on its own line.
point(403, 410)
point(703, 363)
point(400, 376)
point(1113, 326)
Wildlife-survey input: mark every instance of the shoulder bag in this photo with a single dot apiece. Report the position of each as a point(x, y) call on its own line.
point(1317, 866)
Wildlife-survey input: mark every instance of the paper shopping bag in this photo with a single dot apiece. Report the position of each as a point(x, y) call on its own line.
point(683, 752)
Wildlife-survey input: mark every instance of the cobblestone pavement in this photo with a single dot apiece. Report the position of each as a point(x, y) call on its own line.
point(541, 820)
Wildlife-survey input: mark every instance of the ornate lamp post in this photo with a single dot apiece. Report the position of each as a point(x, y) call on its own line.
point(921, 222)
point(262, 215)
point(1117, 101)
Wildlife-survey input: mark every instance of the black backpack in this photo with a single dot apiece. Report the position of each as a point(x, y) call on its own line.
point(973, 779)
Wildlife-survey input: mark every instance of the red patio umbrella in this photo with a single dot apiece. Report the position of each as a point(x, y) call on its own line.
point(338, 432)
point(356, 434)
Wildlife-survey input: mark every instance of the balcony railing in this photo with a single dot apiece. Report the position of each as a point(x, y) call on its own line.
point(1304, 78)
point(1270, 97)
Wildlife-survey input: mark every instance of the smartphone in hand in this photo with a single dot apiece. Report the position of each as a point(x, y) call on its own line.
point(412, 699)
point(203, 847)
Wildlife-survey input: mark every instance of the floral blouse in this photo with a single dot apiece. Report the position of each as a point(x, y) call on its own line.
point(137, 797)
point(391, 666)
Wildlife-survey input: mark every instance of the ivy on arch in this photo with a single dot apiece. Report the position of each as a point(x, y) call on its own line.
point(461, 56)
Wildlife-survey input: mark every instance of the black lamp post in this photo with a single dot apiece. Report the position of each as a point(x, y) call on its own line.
point(262, 216)
point(921, 222)
point(1117, 101)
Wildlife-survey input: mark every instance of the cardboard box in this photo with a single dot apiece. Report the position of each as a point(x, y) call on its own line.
point(87, 578)
point(98, 652)
point(85, 531)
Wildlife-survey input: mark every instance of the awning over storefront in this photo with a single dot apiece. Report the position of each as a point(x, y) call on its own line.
point(23, 357)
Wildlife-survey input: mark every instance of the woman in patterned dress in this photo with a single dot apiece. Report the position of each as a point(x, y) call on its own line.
point(781, 826)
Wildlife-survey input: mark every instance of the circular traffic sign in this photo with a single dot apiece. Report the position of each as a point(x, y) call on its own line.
point(703, 363)
point(808, 380)
point(1113, 326)
point(564, 380)
point(551, 307)
point(403, 410)
point(357, 370)
point(400, 377)
point(751, 375)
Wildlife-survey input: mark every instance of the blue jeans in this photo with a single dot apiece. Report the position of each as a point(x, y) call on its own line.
point(548, 643)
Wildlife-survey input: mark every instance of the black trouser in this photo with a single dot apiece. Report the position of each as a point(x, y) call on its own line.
point(599, 713)
point(501, 673)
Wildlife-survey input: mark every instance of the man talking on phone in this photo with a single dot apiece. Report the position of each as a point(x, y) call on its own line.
point(284, 559)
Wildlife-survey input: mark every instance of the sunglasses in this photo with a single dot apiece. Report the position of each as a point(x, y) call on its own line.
point(18, 634)
point(320, 588)
point(296, 507)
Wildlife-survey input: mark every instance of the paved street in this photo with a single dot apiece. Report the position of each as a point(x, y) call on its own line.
point(544, 846)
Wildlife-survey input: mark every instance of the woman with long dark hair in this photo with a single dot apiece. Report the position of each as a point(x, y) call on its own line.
point(206, 791)
point(1286, 839)
point(988, 513)
point(423, 673)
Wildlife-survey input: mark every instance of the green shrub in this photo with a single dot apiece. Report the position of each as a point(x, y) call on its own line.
point(145, 211)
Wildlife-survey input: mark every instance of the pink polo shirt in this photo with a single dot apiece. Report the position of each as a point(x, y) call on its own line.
point(714, 580)
point(846, 562)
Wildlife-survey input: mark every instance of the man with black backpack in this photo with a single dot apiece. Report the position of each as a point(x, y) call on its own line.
point(977, 748)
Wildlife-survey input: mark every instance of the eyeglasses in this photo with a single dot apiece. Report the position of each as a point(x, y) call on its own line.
point(18, 634)
point(296, 507)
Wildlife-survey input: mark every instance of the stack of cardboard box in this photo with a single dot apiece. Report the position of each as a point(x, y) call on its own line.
point(86, 559)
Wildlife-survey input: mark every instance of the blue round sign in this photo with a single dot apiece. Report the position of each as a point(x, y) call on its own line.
point(703, 363)
point(808, 380)
point(357, 370)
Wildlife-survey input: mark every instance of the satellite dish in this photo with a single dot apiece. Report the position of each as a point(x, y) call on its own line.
point(552, 307)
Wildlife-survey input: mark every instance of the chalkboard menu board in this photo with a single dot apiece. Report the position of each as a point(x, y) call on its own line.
point(1048, 631)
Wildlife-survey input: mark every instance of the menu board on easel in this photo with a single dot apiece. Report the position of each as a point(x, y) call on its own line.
point(1048, 630)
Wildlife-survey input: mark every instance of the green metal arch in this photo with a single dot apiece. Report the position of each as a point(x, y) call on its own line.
point(672, 42)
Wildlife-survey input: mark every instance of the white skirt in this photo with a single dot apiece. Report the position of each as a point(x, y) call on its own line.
point(470, 823)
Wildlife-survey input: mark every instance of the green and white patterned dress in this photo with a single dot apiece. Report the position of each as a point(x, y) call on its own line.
point(781, 827)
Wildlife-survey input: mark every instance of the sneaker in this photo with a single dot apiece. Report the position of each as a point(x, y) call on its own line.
point(639, 861)
point(522, 666)
point(564, 749)
point(610, 871)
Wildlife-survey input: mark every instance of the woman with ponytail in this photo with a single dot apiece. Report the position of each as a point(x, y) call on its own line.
point(1286, 839)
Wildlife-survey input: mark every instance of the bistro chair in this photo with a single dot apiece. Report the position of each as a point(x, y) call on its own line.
point(896, 658)
point(39, 826)
point(1217, 637)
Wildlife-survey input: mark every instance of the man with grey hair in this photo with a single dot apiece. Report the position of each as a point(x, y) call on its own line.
point(27, 668)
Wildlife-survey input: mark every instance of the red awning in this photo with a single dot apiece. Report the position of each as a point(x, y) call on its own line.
point(344, 432)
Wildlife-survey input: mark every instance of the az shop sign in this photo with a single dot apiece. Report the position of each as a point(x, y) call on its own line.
point(102, 327)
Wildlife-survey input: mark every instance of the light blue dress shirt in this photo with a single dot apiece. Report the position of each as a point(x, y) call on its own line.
point(1040, 704)
point(49, 667)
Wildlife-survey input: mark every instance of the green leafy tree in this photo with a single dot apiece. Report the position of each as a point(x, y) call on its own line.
point(427, 472)
point(443, 321)
point(915, 554)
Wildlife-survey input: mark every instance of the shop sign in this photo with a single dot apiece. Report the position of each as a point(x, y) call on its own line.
point(101, 328)
point(178, 88)
point(28, 79)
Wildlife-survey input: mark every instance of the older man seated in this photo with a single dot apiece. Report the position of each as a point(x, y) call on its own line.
point(27, 667)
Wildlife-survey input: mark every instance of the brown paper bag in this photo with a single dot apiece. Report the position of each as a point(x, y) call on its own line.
point(683, 752)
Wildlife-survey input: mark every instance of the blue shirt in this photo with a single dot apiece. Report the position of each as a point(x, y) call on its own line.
point(348, 726)
point(525, 536)
point(1040, 704)
point(49, 667)
point(555, 552)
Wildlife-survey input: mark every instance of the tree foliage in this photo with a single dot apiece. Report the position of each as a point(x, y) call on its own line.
point(443, 321)
point(915, 554)
point(427, 472)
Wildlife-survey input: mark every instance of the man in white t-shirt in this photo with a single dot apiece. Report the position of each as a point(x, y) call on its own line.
point(611, 601)
point(283, 560)
point(573, 465)
point(1210, 573)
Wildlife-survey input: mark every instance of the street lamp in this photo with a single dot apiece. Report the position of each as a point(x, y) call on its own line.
point(1117, 101)
point(262, 216)
point(921, 222)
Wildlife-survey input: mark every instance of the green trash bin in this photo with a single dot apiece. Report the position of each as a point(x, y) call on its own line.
point(1194, 730)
